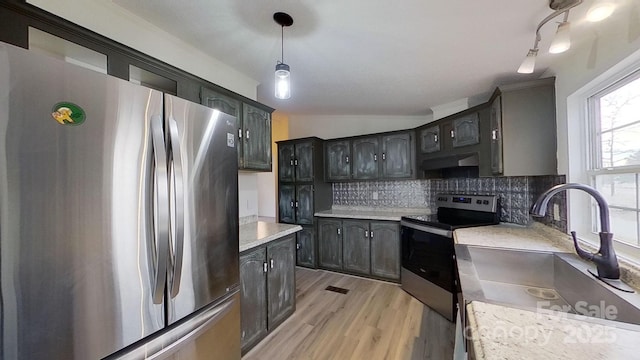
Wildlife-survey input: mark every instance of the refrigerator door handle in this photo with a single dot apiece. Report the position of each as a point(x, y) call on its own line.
point(177, 234)
point(160, 209)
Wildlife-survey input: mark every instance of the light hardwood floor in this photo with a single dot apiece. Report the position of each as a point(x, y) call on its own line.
point(375, 320)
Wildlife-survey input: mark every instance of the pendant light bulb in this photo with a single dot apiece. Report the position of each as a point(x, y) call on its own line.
point(283, 81)
point(600, 10)
point(529, 63)
point(562, 40)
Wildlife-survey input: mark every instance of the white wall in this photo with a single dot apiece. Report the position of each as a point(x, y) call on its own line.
point(610, 41)
point(116, 23)
point(334, 126)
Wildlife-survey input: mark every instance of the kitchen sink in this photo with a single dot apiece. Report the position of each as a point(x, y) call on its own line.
point(541, 281)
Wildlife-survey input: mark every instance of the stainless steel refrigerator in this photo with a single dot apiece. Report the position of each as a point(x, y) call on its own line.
point(118, 218)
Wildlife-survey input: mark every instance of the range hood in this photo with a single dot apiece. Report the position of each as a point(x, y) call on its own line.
point(452, 161)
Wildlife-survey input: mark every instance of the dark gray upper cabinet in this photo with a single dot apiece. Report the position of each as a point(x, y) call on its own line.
point(253, 292)
point(286, 204)
point(281, 282)
point(267, 288)
point(496, 136)
point(338, 160)
point(304, 204)
point(330, 244)
point(430, 139)
point(365, 158)
point(256, 150)
point(385, 250)
point(306, 247)
point(524, 125)
point(253, 140)
point(398, 157)
point(304, 162)
point(466, 130)
point(286, 161)
point(356, 246)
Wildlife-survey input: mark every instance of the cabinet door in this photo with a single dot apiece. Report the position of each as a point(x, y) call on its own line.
point(286, 159)
point(253, 292)
point(365, 158)
point(330, 244)
point(304, 204)
point(466, 130)
point(496, 136)
point(397, 155)
point(304, 161)
point(257, 138)
point(306, 247)
point(338, 159)
point(281, 282)
point(385, 250)
point(286, 204)
point(226, 105)
point(430, 139)
point(356, 247)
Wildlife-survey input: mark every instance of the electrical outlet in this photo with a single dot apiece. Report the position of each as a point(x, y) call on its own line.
point(556, 212)
point(375, 195)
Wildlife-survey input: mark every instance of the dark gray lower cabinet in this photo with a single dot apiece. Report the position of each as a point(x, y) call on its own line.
point(306, 247)
point(267, 288)
point(356, 246)
point(362, 247)
point(330, 244)
point(385, 250)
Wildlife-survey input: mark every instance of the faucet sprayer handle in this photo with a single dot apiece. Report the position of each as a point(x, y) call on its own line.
point(583, 254)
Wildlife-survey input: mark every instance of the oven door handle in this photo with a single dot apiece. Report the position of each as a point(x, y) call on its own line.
point(428, 229)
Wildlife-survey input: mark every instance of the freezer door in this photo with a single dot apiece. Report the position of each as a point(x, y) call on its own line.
point(204, 197)
point(76, 199)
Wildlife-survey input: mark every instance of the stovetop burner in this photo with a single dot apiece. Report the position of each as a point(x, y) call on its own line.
point(457, 211)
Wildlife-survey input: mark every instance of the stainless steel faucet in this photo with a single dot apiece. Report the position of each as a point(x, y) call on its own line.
point(605, 259)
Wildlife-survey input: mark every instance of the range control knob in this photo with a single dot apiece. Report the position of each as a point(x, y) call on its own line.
point(486, 202)
point(478, 202)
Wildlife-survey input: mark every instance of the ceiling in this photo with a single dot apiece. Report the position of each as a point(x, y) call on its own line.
point(367, 57)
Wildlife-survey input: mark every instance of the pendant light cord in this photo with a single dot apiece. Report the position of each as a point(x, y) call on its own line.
point(282, 44)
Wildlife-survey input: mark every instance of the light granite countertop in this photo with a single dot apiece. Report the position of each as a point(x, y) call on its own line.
point(370, 213)
point(260, 232)
point(503, 332)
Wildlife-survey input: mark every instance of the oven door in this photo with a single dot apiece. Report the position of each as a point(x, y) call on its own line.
point(428, 253)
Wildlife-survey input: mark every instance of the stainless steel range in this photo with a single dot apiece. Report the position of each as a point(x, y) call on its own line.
point(428, 258)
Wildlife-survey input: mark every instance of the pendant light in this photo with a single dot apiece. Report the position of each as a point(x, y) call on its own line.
point(283, 72)
point(562, 41)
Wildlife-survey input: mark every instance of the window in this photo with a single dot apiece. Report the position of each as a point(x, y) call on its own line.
point(614, 166)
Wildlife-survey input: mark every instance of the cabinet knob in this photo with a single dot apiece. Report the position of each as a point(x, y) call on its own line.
point(366, 233)
point(264, 267)
point(339, 231)
point(435, 138)
point(494, 134)
point(291, 162)
point(346, 159)
point(384, 156)
point(239, 133)
point(295, 162)
point(247, 133)
point(298, 246)
point(271, 262)
point(371, 234)
point(296, 204)
point(453, 134)
point(292, 204)
point(375, 157)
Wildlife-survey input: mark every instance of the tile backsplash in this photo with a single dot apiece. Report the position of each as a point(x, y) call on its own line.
point(516, 195)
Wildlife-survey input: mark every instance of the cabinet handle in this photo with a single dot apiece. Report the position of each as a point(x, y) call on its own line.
point(291, 162)
point(339, 231)
point(295, 162)
point(347, 159)
point(435, 138)
point(494, 134)
point(384, 156)
point(375, 157)
point(271, 262)
point(366, 233)
point(371, 234)
point(264, 267)
point(453, 134)
point(296, 204)
point(247, 134)
point(239, 133)
point(298, 246)
point(291, 203)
